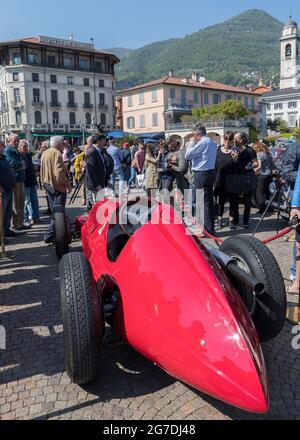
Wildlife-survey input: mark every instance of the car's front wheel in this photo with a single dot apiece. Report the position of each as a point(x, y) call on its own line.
point(268, 311)
point(83, 319)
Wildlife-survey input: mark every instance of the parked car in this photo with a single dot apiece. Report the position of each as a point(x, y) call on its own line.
point(197, 312)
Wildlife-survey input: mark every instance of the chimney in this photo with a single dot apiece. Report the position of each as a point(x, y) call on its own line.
point(261, 83)
point(195, 76)
point(171, 73)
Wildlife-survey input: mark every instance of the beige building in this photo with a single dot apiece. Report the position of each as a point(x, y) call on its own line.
point(158, 106)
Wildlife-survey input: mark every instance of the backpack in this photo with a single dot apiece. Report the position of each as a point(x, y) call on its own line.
point(109, 164)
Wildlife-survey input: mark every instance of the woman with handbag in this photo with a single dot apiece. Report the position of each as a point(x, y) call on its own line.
point(151, 169)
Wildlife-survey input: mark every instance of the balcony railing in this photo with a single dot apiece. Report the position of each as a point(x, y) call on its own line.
point(72, 105)
point(103, 107)
point(212, 123)
point(55, 104)
point(37, 103)
point(88, 105)
point(17, 104)
point(174, 104)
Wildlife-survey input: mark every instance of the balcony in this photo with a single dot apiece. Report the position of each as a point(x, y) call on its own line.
point(55, 104)
point(176, 105)
point(36, 103)
point(103, 107)
point(88, 105)
point(17, 104)
point(72, 105)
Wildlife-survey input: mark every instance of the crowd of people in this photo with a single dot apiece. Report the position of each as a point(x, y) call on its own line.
point(234, 172)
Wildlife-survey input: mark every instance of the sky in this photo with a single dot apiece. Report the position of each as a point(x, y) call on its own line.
point(126, 23)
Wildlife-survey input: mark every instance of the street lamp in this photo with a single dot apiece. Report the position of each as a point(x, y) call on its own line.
point(82, 128)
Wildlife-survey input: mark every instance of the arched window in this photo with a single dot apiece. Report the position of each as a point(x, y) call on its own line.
point(55, 118)
point(72, 119)
point(38, 117)
point(288, 51)
point(18, 117)
point(103, 119)
point(88, 119)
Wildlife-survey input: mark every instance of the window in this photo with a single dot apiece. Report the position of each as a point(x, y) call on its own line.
point(239, 98)
point(98, 67)
point(54, 97)
point(36, 95)
point(268, 106)
point(18, 117)
point(216, 98)
point(154, 119)
point(252, 103)
point(55, 118)
point(292, 121)
point(38, 117)
point(288, 51)
point(101, 98)
point(32, 58)
point(101, 83)
point(86, 82)
point(278, 106)
point(17, 95)
point(228, 98)
point(142, 121)
point(154, 95)
point(87, 98)
point(196, 97)
point(70, 80)
point(15, 76)
point(172, 93)
point(246, 102)
point(88, 119)
point(130, 122)
point(142, 98)
point(183, 96)
point(51, 60)
point(103, 119)
point(83, 64)
point(206, 98)
point(72, 118)
point(53, 79)
point(292, 104)
point(71, 98)
point(35, 77)
point(17, 58)
point(68, 62)
point(130, 102)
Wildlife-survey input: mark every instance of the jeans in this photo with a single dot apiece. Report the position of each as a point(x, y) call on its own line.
point(132, 176)
point(55, 198)
point(31, 204)
point(204, 180)
point(7, 210)
point(120, 174)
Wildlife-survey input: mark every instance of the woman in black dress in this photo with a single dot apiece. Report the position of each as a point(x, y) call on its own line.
point(225, 166)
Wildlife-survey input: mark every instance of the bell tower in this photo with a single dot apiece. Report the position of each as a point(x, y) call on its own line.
point(290, 45)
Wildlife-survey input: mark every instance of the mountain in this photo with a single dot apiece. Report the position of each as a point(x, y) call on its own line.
point(120, 52)
point(238, 51)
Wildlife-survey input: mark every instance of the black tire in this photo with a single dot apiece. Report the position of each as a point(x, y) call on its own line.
point(83, 319)
point(62, 236)
point(268, 311)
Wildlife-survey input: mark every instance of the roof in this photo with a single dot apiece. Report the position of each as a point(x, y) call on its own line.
point(177, 81)
point(282, 92)
point(36, 40)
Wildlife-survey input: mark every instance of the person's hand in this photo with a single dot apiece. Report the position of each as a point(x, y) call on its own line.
point(234, 154)
point(1, 189)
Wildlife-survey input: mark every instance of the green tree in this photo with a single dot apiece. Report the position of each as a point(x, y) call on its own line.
point(231, 109)
point(296, 133)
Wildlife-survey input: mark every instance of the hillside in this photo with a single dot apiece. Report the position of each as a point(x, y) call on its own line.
point(120, 52)
point(238, 52)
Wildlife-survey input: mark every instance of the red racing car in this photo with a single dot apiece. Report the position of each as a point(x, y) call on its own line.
point(198, 312)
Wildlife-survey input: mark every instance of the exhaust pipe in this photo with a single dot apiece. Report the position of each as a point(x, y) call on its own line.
point(231, 266)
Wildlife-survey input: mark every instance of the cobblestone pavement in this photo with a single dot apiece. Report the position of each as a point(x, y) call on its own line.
point(34, 385)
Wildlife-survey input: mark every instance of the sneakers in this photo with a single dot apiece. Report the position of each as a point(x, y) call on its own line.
point(23, 227)
point(10, 234)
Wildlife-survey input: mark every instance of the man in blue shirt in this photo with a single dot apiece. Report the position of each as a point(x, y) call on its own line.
point(116, 154)
point(202, 152)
